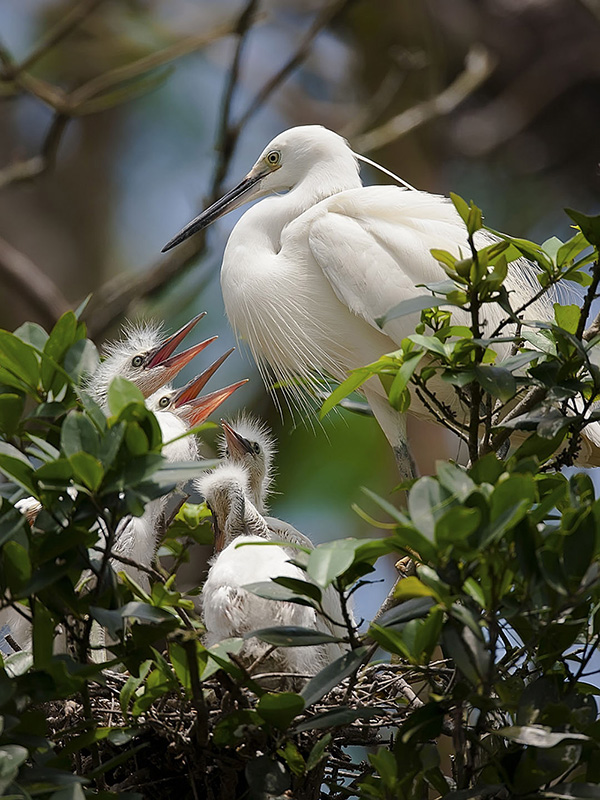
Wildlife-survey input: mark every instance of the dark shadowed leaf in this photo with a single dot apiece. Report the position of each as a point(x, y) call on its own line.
point(339, 716)
point(267, 777)
point(332, 674)
point(292, 636)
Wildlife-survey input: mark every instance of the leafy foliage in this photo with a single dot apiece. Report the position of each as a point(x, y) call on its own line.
point(487, 652)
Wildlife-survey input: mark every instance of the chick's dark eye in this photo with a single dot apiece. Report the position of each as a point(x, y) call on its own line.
point(164, 401)
point(137, 361)
point(256, 448)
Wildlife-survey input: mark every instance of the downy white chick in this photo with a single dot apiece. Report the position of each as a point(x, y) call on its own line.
point(229, 610)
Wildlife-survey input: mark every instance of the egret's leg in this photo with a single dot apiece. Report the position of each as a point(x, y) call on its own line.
point(393, 424)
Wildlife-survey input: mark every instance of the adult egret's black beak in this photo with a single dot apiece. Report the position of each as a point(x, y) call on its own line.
point(236, 197)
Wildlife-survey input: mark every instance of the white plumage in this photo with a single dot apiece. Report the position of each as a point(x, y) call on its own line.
point(306, 273)
point(232, 491)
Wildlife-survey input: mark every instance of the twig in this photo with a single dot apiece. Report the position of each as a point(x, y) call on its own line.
point(62, 28)
point(531, 399)
point(113, 299)
point(28, 282)
point(479, 65)
point(589, 298)
point(327, 16)
point(107, 80)
point(592, 331)
point(226, 136)
point(37, 165)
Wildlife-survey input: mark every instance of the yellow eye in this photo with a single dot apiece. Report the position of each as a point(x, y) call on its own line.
point(137, 361)
point(273, 158)
point(164, 401)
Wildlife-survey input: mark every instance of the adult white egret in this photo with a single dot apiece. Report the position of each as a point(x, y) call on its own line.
point(228, 609)
point(307, 272)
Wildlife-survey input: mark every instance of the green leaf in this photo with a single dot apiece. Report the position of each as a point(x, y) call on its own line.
point(121, 393)
point(356, 379)
point(328, 561)
point(343, 715)
point(497, 381)
point(461, 206)
point(33, 334)
point(567, 317)
point(539, 735)
point(78, 434)
point(11, 410)
point(19, 359)
point(403, 377)
point(12, 756)
point(81, 359)
point(455, 479)
point(16, 466)
point(270, 590)
point(267, 777)
point(456, 525)
point(412, 306)
point(87, 470)
point(318, 752)
point(292, 636)
point(324, 681)
point(280, 709)
point(589, 226)
point(411, 609)
point(411, 587)
point(571, 249)
point(301, 587)
point(17, 565)
point(427, 501)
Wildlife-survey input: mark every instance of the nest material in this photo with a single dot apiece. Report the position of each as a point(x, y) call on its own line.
point(164, 759)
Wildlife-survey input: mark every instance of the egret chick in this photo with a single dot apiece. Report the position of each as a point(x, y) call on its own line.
point(228, 609)
point(145, 357)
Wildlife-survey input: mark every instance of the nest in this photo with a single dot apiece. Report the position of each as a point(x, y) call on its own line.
point(166, 753)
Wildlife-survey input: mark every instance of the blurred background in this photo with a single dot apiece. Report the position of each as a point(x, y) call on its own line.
point(120, 119)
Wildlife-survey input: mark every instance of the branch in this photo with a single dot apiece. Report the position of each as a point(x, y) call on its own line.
point(479, 65)
point(33, 167)
point(113, 299)
point(66, 24)
point(589, 298)
point(101, 83)
point(592, 331)
point(27, 281)
point(327, 16)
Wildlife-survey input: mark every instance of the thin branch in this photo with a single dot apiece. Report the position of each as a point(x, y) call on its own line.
point(479, 65)
point(66, 24)
point(589, 298)
point(592, 331)
point(113, 299)
point(327, 16)
point(113, 77)
point(226, 136)
point(27, 281)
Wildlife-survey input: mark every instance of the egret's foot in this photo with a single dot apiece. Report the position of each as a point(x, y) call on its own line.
point(406, 567)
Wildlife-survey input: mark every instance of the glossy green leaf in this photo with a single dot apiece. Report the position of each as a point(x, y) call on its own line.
point(280, 709)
